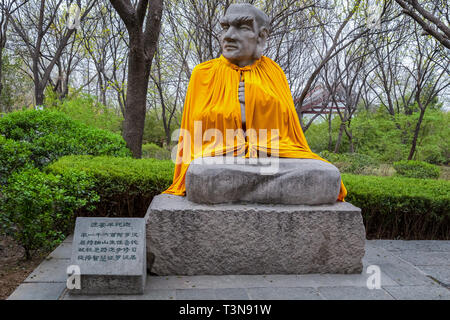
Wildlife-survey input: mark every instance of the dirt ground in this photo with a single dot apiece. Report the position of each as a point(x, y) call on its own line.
point(13, 266)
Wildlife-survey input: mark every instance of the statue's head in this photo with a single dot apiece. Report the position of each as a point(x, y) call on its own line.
point(244, 34)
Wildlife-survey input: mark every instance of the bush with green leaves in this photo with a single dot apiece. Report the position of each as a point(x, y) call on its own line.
point(350, 162)
point(14, 156)
point(417, 169)
point(151, 150)
point(392, 207)
point(50, 135)
point(38, 209)
point(395, 207)
point(126, 186)
point(86, 109)
point(387, 138)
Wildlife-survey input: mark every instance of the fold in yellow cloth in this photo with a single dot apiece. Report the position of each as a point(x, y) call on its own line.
point(211, 124)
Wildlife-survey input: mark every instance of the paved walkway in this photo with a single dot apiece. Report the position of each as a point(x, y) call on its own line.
point(409, 270)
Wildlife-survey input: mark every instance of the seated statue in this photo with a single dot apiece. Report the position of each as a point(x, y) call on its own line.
point(239, 104)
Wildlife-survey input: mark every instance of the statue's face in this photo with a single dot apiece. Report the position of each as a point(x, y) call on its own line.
point(240, 36)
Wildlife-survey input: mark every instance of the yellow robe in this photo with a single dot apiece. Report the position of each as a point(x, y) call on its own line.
point(212, 102)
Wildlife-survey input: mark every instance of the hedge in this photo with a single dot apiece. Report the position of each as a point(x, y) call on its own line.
point(350, 162)
point(405, 208)
point(392, 207)
point(49, 135)
point(417, 169)
point(126, 186)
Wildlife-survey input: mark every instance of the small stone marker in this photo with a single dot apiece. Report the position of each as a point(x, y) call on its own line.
point(110, 254)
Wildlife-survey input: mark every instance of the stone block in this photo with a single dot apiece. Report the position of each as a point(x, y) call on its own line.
point(111, 255)
point(212, 180)
point(188, 238)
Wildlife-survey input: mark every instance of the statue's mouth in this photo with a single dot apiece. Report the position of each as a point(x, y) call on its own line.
point(230, 47)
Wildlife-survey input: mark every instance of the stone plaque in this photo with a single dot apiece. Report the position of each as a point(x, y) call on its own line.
point(110, 254)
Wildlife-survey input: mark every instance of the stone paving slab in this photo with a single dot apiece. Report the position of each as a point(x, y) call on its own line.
point(196, 294)
point(399, 270)
point(52, 270)
point(440, 273)
point(232, 294)
point(419, 292)
point(284, 294)
point(62, 252)
point(149, 294)
point(421, 258)
point(69, 239)
point(400, 279)
point(354, 293)
point(38, 291)
point(418, 245)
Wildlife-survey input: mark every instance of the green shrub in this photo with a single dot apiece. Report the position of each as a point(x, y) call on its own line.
point(151, 150)
point(13, 156)
point(417, 169)
point(50, 135)
point(86, 109)
point(395, 207)
point(126, 186)
point(392, 207)
point(388, 138)
point(38, 209)
point(350, 162)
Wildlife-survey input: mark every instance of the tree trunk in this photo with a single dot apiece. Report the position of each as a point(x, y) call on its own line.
point(1, 82)
point(134, 118)
point(339, 139)
point(39, 94)
point(416, 134)
point(350, 139)
point(142, 49)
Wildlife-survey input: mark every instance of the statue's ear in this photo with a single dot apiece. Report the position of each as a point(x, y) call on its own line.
point(263, 35)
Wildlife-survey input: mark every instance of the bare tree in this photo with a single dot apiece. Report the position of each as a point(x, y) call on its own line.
point(345, 80)
point(34, 29)
point(7, 9)
point(434, 21)
point(430, 72)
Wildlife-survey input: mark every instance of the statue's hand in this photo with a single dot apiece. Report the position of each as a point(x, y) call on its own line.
point(242, 93)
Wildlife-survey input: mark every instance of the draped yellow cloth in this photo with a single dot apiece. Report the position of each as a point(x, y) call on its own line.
point(212, 104)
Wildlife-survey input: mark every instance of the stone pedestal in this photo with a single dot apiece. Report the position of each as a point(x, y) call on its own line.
point(262, 180)
point(188, 238)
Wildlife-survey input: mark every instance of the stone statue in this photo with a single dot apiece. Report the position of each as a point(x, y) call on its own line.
point(231, 218)
point(240, 104)
point(244, 33)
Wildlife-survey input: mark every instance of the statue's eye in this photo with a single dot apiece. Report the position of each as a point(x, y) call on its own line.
point(245, 27)
point(225, 27)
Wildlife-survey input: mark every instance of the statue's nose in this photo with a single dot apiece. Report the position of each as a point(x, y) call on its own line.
point(230, 34)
